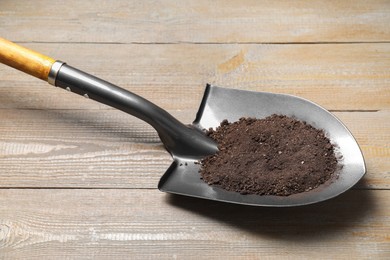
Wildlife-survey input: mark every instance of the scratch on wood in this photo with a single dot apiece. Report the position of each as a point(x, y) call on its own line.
point(232, 63)
point(123, 236)
point(149, 236)
point(15, 148)
point(4, 231)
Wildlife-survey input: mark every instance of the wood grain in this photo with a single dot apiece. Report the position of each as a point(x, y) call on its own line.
point(337, 76)
point(78, 179)
point(196, 21)
point(23, 59)
point(110, 149)
point(149, 224)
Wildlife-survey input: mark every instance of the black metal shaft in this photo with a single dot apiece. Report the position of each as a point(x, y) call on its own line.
point(179, 140)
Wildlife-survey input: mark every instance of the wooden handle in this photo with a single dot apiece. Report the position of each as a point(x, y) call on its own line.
point(25, 60)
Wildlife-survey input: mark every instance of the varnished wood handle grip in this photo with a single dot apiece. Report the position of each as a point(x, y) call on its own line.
point(25, 60)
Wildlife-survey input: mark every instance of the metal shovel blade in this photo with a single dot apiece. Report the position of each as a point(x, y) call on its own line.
point(183, 177)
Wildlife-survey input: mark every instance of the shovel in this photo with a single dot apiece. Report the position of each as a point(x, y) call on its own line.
point(187, 143)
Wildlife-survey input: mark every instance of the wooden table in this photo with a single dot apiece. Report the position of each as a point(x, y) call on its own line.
point(78, 179)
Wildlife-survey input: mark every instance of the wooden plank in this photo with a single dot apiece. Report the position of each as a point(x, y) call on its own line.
point(372, 132)
point(108, 148)
point(337, 76)
point(196, 21)
point(39, 224)
point(72, 148)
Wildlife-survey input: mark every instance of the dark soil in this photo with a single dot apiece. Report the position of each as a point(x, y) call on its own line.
point(277, 155)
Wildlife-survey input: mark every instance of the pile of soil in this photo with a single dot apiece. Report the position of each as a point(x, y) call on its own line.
point(277, 155)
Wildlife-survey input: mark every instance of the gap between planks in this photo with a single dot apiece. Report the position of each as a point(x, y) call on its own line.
point(136, 188)
point(205, 43)
point(88, 188)
point(108, 109)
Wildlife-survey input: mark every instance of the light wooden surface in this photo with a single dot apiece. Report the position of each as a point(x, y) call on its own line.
point(78, 179)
